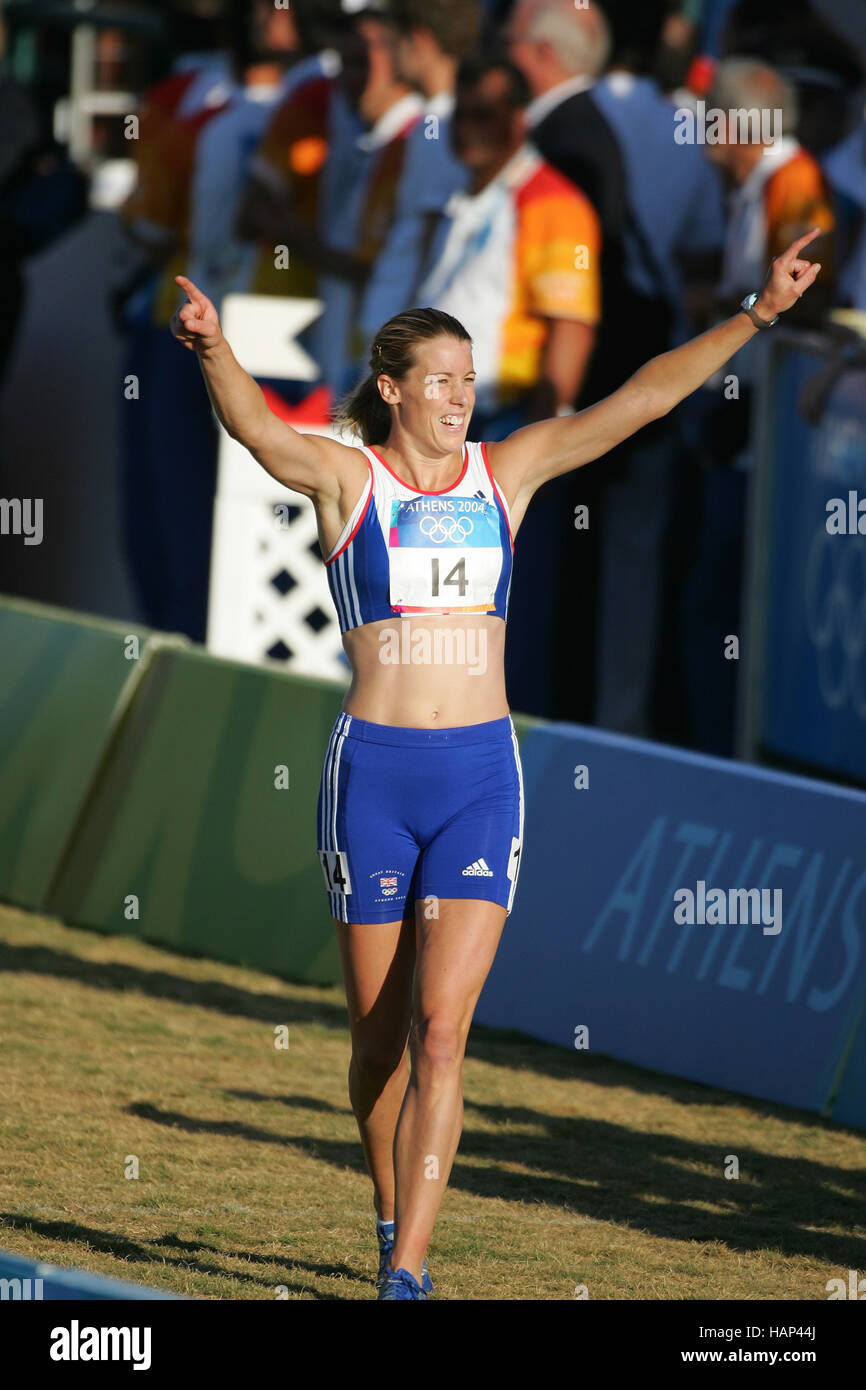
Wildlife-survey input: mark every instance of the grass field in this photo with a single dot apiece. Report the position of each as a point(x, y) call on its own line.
point(572, 1171)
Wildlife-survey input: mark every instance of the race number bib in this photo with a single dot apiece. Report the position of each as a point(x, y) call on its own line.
point(445, 553)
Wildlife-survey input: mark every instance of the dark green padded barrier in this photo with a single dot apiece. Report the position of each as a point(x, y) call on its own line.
point(186, 817)
point(64, 680)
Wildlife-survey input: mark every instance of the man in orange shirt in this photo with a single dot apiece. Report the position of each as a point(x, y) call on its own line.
point(778, 189)
point(777, 192)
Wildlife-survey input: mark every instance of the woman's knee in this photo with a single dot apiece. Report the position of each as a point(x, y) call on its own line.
point(439, 1042)
point(377, 1058)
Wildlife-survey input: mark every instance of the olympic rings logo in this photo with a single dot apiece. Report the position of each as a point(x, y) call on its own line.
point(446, 528)
point(836, 617)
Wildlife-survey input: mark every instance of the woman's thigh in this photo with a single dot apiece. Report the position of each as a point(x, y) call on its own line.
point(378, 960)
point(455, 949)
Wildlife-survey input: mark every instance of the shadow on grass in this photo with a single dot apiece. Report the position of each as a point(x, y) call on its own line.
point(607, 1172)
point(145, 1252)
point(322, 1107)
point(603, 1171)
point(120, 978)
point(496, 1047)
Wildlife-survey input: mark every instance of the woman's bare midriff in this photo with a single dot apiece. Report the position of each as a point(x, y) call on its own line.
point(435, 672)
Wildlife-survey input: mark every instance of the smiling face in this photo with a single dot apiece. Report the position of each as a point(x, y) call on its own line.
point(434, 401)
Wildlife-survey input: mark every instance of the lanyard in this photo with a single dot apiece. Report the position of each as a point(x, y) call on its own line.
point(472, 247)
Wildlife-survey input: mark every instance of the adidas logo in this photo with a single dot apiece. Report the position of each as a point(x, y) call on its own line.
point(478, 870)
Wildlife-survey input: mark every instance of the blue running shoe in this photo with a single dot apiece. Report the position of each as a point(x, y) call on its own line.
point(399, 1284)
point(385, 1248)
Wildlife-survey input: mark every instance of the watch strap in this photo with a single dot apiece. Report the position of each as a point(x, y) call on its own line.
point(748, 307)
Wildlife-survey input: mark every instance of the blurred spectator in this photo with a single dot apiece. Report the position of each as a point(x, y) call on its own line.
point(282, 203)
point(361, 185)
point(675, 217)
point(198, 130)
point(169, 441)
point(712, 17)
point(432, 38)
point(517, 261)
point(171, 116)
point(811, 49)
point(42, 195)
point(516, 258)
point(675, 48)
point(777, 192)
point(21, 136)
point(561, 51)
point(272, 64)
point(674, 226)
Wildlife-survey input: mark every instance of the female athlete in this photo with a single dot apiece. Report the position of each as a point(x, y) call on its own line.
point(420, 809)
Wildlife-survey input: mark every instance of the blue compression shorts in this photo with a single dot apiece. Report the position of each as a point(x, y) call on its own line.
point(419, 813)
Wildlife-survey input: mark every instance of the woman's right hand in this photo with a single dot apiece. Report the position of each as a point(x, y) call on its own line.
point(196, 324)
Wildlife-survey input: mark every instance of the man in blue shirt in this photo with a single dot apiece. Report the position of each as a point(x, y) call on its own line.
point(361, 182)
point(433, 36)
point(676, 195)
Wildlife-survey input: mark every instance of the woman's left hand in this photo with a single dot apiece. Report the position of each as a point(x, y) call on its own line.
point(788, 278)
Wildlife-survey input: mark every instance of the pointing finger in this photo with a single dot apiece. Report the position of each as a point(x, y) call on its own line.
point(797, 246)
point(192, 290)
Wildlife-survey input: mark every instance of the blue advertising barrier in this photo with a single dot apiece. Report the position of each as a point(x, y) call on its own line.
point(767, 1008)
point(849, 1107)
point(33, 1281)
point(811, 708)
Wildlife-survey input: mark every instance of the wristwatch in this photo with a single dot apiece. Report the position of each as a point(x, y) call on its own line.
point(748, 307)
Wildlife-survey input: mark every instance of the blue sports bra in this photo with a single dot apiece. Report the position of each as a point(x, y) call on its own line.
point(403, 551)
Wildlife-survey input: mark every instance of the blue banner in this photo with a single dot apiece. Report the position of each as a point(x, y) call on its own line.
point(814, 699)
point(849, 1107)
point(687, 914)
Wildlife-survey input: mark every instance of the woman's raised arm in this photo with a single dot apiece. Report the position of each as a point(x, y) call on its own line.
point(536, 453)
point(311, 464)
